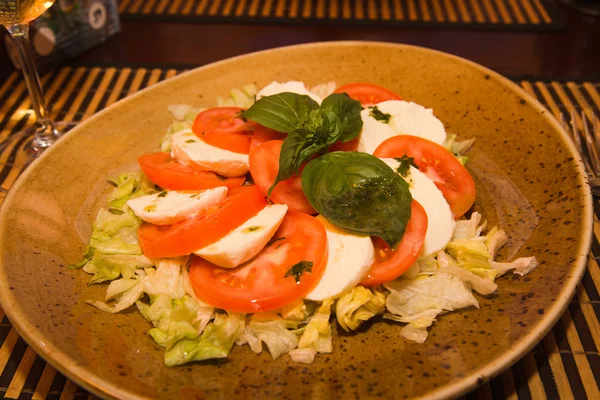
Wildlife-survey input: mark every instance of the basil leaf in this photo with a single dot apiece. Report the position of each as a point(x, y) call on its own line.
point(283, 112)
point(290, 149)
point(332, 128)
point(299, 146)
point(359, 193)
point(348, 112)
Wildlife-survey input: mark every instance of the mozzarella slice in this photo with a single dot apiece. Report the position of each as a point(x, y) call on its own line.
point(247, 240)
point(169, 207)
point(188, 148)
point(290, 86)
point(406, 118)
point(349, 259)
point(440, 221)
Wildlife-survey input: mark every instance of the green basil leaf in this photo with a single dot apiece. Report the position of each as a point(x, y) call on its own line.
point(359, 193)
point(348, 112)
point(283, 112)
point(332, 127)
point(290, 150)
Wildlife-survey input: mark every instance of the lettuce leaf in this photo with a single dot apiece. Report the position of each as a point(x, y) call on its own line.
point(114, 248)
point(184, 119)
point(128, 186)
point(215, 342)
point(316, 337)
point(243, 97)
point(105, 267)
point(270, 329)
point(520, 266)
point(125, 292)
point(481, 285)
point(494, 240)
point(357, 306)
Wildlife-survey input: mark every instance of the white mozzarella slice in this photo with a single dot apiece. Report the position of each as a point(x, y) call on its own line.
point(247, 240)
point(440, 221)
point(374, 132)
point(349, 259)
point(290, 86)
point(188, 148)
point(170, 207)
point(406, 118)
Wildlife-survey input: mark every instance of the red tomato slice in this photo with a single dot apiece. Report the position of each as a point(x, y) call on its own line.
point(262, 284)
point(221, 127)
point(203, 229)
point(262, 135)
point(351, 145)
point(168, 173)
point(264, 165)
point(390, 264)
point(448, 174)
point(367, 93)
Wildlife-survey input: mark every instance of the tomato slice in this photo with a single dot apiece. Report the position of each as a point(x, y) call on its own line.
point(367, 93)
point(264, 165)
point(221, 127)
point(351, 145)
point(390, 264)
point(168, 173)
point(448, 174)
point(264, 283)
point(263, 134)
point(203, 229)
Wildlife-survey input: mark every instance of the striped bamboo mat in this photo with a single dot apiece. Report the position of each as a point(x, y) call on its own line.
point(566, 364)
point(495, 14)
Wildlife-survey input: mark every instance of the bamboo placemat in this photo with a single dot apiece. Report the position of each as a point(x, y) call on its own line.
point(566, 364)
point(495, 14)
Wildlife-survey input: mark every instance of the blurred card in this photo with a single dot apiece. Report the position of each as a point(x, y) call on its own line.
point(69, 28)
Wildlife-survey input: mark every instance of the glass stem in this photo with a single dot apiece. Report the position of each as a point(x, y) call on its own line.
point(46, 134)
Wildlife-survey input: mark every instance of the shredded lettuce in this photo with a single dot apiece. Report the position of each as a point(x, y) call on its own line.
point(128, 186)
point(114, 249)
point(458, 148)
point(323, 90)
point(358, 306)
point(520, 266)
point(479, 284)
point(270, 329)
point(184, 115)
point(243, 98)
point(418, 301)
point(316, 337)
point(215, 342)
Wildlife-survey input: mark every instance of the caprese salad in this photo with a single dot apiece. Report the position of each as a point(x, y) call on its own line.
point(264, 217)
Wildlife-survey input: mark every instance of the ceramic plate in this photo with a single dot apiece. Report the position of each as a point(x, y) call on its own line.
point(529, 181)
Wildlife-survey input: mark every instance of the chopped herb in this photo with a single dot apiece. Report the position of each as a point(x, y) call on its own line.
point(251, 229)
point(275, 240)
point(297, 270)
point(162, 194)
point(150, 208)
point(379, 116)
point(190, 141)
point(195, 195)
point(405, 163)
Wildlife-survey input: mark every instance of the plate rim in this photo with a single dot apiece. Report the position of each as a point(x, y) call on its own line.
point(105, 388)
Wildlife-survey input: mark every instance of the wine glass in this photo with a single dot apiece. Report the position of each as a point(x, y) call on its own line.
point(15, 15)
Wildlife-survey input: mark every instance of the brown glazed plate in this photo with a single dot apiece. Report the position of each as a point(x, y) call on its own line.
point(529, 179)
